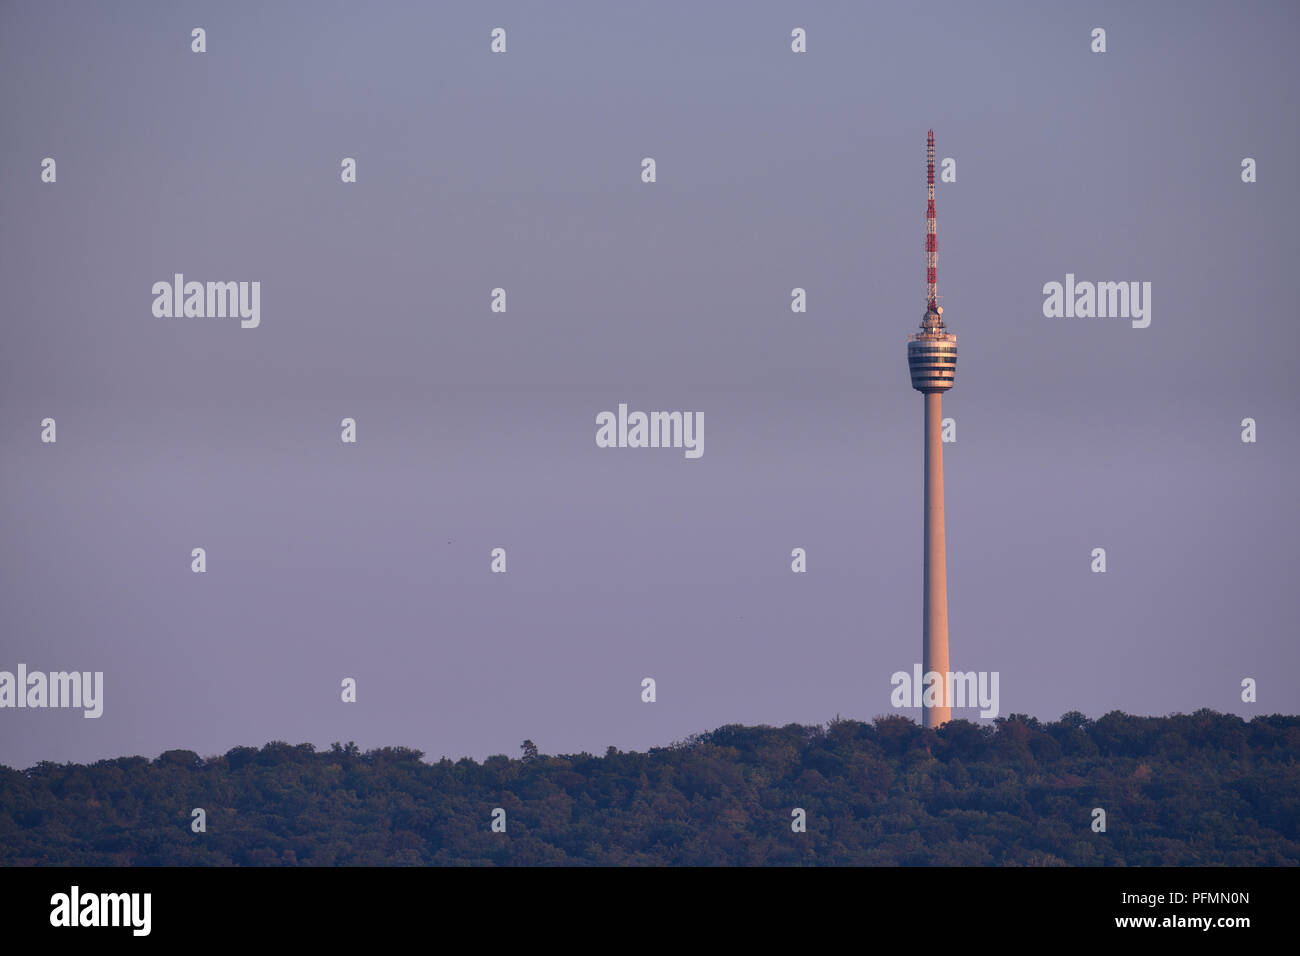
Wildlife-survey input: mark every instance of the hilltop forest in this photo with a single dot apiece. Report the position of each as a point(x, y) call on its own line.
point(1198, 789)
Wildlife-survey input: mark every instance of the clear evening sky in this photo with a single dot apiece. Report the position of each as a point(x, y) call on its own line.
point(477, 430)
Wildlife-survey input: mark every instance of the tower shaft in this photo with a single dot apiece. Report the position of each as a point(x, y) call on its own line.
point(934, 615)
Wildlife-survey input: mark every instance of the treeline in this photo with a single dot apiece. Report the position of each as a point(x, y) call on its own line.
point(1198, 789)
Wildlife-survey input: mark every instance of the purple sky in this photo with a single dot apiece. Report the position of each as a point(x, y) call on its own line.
point(477, 430)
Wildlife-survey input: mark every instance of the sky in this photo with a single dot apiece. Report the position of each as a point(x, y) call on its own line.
point(476, 430)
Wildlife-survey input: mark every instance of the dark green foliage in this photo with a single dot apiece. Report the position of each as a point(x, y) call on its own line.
point(1204, 788)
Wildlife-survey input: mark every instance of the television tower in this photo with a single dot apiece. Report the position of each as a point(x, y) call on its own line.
point(932, 360)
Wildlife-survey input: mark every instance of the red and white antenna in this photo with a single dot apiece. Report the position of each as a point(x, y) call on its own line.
point(931, 232)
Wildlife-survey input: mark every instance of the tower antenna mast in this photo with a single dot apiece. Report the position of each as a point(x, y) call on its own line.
point(931, 233)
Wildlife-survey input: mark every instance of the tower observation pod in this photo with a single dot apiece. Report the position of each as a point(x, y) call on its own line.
point(932, 361)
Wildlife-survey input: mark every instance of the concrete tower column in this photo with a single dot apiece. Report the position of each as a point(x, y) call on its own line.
point(934, 613)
